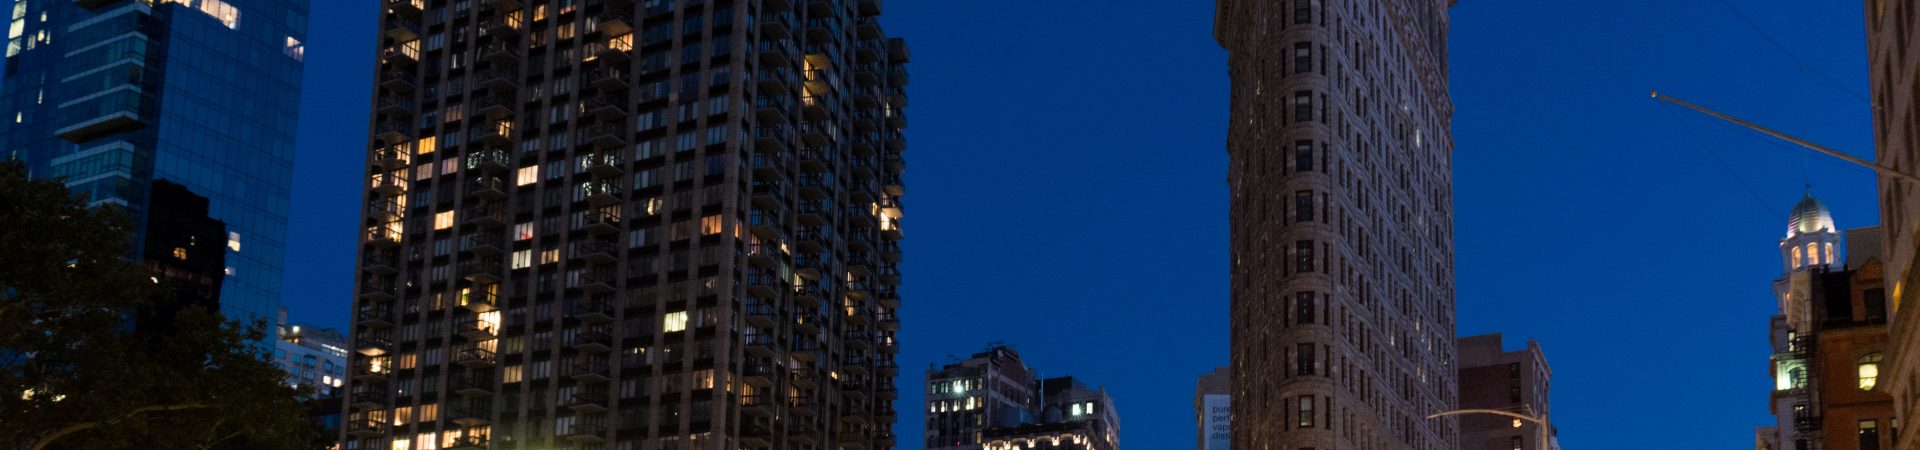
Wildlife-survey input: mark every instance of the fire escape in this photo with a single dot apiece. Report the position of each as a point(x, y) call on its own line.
point(1806, 393)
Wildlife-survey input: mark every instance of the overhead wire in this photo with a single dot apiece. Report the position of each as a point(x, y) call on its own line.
point(1704, 148)
point(1804, 66)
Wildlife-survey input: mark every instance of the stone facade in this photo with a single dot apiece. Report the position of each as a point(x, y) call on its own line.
point(1341, 224)
point(1894, 66)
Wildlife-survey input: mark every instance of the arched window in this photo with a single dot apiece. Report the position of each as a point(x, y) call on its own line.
point(1830, 259)
point(1813, 253)
point(1796, 257)
point(1869, 369)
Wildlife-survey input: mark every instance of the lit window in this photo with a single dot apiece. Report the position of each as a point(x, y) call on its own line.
point(710, 225)
point(527, 175)
point(1306, 411)
point(1830, 252)
point(676, 321)
point(296, 49)
point(1870, 371)
point(549, 256)
point(522, 259)
point(523, 231)
point(443, 220)
point(233, 241)
point(179, 253)
point(426, 145)
point(1796, 257)
point(1813, 253)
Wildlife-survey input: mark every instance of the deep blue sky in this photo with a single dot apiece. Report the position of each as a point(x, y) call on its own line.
point(1066, 194)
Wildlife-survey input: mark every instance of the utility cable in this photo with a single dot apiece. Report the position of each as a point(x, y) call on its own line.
point(1702, 143)
point(1796, 58)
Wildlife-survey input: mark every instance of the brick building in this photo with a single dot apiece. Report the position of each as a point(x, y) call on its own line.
point(1491, 377)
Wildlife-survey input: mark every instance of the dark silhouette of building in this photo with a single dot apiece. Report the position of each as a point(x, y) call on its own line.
point(1340, 174)
point(184, 246)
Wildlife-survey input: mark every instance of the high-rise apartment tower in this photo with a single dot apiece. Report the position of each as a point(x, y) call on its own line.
point(1341, 222)
point(630, 224)
point(183, 112)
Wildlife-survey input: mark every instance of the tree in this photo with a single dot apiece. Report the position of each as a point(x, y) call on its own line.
point(74, 371)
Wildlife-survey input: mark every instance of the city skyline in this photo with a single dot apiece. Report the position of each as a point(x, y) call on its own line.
point(1495, 170)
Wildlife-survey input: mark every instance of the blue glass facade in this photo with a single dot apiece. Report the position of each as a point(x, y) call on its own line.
point(118, 95)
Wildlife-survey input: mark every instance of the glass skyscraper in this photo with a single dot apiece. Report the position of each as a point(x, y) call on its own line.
point(181, 111)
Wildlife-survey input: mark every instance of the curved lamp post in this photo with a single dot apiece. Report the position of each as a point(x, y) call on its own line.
point(1538, 422)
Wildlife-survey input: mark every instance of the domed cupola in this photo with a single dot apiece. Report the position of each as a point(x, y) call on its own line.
point(1810, 216)
point(1811, 237)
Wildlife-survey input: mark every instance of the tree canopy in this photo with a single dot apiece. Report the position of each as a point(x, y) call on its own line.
point(74, 371)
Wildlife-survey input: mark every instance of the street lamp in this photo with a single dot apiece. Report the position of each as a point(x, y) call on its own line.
point(1538, 422)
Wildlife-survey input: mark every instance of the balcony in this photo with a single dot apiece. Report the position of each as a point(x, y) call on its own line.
point(606, 136)
point(608, 108)
point(890, 229)
point(374, 317)
point(506, 26)
point(474, 386)
point(601, 192)
point(488, 188)
point(472, 416)
point(406, 7)
point(772, 108)
point(394, 106)
point(766, 223)
point(769, 193)
point(775, 53)
point(763, 285)
point(760, 313)
point(598, 281)
point(501, 5)
point(775, 26)
point(379, 289)
point(602, 164)
point(486, 216)
point(497, 134)
point(756, 435)
point(366, 428)
point(816, 186)
point(805, 349)
point(596, 252)
point(615, 22)
point(388, 183)
point(808, 295)
point(404, 53)
point(757, 404)
point(759, 344)
point(396, 80)
point(888, 296)
point(817, 159)
point(811, 265)
point(592, 342)
point(502, 79)
point(491, 160)
point(889, 321)
point(602, 221)
point(758, 373)
point(586, 433)
point(393, 131)
point(373, 345)
point(372, 370)
point(588, 401)
point(495, 106)
point(501, 52)
point(473, 357)
point(766, 255)
point(474, 329)
point(804, 378)
point(595, 311)
point(390, 158)
point(485, 243)
point(478, 299)
point(772, 138)
point(770, 165)
point(592, 370)
point(368, 399)
point(614, 50)
point(385, 210)
point(482, 270)
point(608, 78)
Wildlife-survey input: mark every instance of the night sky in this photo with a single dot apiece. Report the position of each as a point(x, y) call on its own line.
point(1066, 194)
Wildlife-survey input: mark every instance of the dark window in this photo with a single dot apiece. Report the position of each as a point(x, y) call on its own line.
point(1306, 411)
point(1303, 359)
point(1302, 106)
point(1513, 370)
point(1869, 435)
point(1303, 156)
point(1303, 307)
point(1303, 206)
point(1303, 256)
point(1519, 444)
point(1876, 304)
point(1302, 57)
point(1513, 394)
point(1303, 12)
